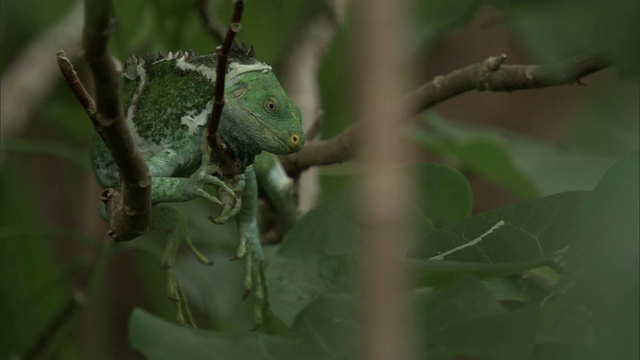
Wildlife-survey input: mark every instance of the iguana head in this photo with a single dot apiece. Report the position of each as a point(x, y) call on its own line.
point(258, 115)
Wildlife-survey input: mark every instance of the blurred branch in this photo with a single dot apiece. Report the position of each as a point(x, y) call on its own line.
point(64, 315)
point(30, 76)
point(300, 61)
point(488, 75)
point(228, 166)
point(298, 69)
point(210, 21)
point(129, 206)
point(377, 47)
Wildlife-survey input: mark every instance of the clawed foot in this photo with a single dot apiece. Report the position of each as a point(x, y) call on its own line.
point(174, 290)
point(231, 199)
point(175, 294)
point(172, 223)
point(255, 281)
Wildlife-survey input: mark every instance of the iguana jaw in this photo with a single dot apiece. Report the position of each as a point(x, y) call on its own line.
point(286, 139)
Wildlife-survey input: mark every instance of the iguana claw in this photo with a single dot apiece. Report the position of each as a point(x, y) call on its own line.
point(250, 249)
point(230, 195)
point(173, 225)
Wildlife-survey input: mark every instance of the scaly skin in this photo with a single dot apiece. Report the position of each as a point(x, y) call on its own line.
point(167, 100)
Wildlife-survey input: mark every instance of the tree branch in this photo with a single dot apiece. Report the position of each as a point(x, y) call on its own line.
point(129, 206)
point(300, 62)
point(488, 75)
point(228, 166)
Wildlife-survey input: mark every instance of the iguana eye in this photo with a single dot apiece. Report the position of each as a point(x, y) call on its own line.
point(271, 105)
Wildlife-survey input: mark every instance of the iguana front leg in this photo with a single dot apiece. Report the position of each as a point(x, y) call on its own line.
point(250, 249)
point(167, 188)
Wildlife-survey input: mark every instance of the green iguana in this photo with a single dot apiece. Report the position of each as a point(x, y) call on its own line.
point(167, 100)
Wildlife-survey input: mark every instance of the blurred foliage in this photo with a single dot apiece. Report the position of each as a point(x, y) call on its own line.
point(555, 29)
point(556, 278)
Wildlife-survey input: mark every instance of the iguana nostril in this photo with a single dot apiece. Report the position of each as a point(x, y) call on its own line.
point(295, 139)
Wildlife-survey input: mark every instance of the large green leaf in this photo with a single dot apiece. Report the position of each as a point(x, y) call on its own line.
point(526, 167)
point(482, 154)
point(323, 331)
point(442, 194)
point(464, 319)
point(317, 256)
point(598, 294)
point(513, 238)
point(320, 254)
point(578, 26)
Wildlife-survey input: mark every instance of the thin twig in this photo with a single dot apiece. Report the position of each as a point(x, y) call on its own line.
point(221, 68)
point(488, 75)
point(76, 86)
point(130, 206)
point(229, 166)
point(210, 22)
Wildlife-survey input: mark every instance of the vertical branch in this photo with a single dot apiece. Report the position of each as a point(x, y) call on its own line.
point(130, 206)
point(99, 24)
point(377, 57)
point(298, 72)
point(221, 68)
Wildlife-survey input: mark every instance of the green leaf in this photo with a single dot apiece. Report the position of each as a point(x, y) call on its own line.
point(579, 26)
point(323, 331)
point(443, 195)
point(320, 254)
point(521, 165)
point(513, 238)
point(159, 339)
point(506, 289)
point(317, 256)
point(602, 274)
point(464, 319)
point(551, 351)
point(618, 34)
point(528, 231)
point(572, 32)
point(483, 154)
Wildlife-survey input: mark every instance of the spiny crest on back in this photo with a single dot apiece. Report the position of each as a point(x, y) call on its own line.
point(136, 66)
point(240, 53)
point(241, 59)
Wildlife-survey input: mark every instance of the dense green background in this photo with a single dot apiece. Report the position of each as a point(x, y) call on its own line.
point(553, 172)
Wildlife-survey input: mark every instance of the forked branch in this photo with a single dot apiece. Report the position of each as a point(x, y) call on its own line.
point(129, 206)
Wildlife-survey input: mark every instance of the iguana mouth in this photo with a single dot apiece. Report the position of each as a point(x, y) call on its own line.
point(285, 141)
